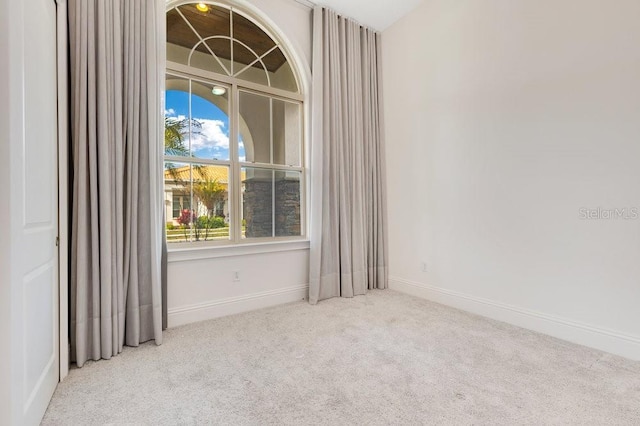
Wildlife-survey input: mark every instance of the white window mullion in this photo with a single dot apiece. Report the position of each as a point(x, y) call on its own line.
point(192, 202)
point(270, 130)
point(303, 173)
point(181, 70)
point(273, 172)
point(231, 36)
point(282, 167)
point(273, 203)
point(235, 190)
point(183, 159)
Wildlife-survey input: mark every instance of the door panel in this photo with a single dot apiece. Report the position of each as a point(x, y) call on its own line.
point(39, 339)
point(38, 316)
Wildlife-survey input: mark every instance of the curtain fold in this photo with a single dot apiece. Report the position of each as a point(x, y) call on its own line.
point(116, 59)
point(348, 233)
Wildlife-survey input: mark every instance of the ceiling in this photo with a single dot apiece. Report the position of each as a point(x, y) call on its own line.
point(377, 14)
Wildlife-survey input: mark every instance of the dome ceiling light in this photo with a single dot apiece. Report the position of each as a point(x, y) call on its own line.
point(219, 90)
point(202, 7)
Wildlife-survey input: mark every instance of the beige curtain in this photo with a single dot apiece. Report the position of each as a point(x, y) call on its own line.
point(348, 235)
point(116, 52)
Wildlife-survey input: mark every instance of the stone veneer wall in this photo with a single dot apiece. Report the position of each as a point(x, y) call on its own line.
point(258, 212)
point(257, 207)
point(287, 207)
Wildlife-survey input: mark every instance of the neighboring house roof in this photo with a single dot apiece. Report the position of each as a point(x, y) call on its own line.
point(200, 173)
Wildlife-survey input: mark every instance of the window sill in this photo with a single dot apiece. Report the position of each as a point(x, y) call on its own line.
point(213, 252)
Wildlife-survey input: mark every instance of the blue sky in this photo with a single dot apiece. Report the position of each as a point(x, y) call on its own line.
point(212, 140)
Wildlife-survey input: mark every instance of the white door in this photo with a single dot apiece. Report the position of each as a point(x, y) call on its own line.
point(37, 315)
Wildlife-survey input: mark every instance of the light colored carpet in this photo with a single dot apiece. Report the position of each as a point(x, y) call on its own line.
point(384, 358)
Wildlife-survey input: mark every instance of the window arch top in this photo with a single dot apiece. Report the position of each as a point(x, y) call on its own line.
point(220, 39)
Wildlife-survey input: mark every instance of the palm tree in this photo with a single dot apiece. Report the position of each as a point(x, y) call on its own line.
point(210, 192)
point(175, 132)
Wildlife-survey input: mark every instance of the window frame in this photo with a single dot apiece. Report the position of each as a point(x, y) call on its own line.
point(235, 244)
point(235, 165)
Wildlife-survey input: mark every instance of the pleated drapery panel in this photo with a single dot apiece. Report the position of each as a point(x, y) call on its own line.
point(116, 61)
point(348, 215)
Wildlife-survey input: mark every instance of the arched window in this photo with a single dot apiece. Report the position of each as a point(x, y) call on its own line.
point(234, 129)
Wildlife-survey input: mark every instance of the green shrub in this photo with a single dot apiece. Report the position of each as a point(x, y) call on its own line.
point(217, 222)
point(170, 226)
point(205, 222)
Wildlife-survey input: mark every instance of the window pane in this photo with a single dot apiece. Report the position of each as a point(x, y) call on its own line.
point(210, 126)
point(181, 201)
point(196, 202)
point(243, 57)
point(177, 200)
point(176, 133)
point(257, 202)
point(287, 133)
point(281, 74)
point(187, 27)
point(255, 127)
point(221, 47)
point(250, 34)
point(287, 204)
point(213, 26)
point(210, 202)
point(203, 59)
point(180, 38)
point(242, 155)
point(215, 21)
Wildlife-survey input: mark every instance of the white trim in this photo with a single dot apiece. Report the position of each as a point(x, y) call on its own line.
point(306, 3)
point(186, 71)
point(200, 252)
point(234, 187)
point(63, 186)
point(235, 305)
point(608, 340)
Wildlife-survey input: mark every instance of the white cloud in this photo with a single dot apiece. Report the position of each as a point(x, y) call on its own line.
point(211, 139)
point(170, 112)
point(211, 135)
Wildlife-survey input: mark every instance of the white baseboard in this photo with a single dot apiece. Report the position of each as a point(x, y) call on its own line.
point(584, 334)
point(234, 305)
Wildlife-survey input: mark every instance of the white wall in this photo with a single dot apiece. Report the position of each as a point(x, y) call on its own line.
point(292, 18)
point(5, 243)
point(207, 288)
point(503, 120)
point(204, 288)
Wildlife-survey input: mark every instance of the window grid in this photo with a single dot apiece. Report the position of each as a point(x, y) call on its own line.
point(235, 166)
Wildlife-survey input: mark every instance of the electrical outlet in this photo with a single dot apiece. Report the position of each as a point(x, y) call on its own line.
point(236, 276)
point(423, 266)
